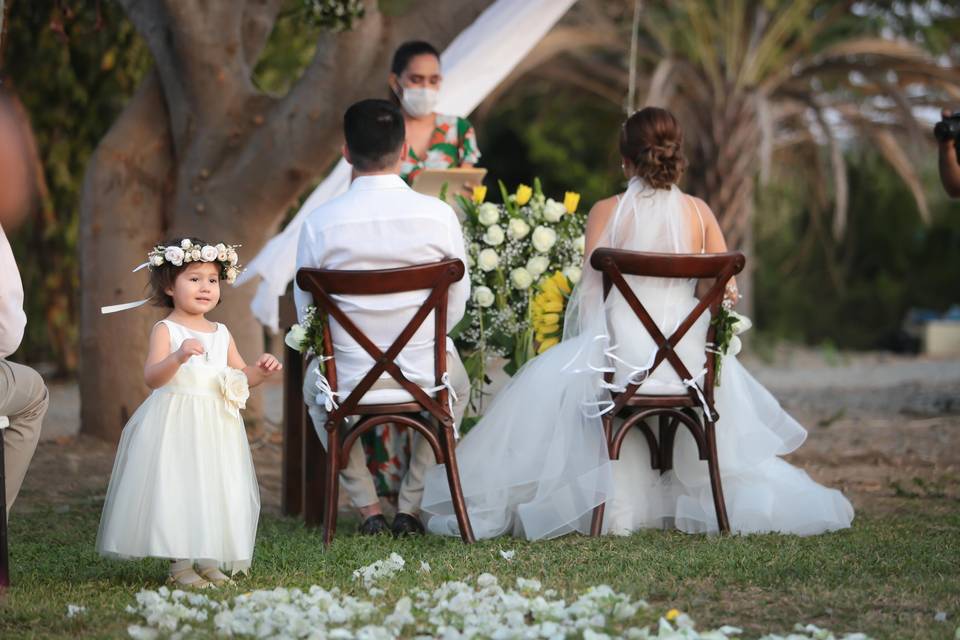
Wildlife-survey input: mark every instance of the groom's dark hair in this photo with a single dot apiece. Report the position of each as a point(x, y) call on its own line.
point(374, 132)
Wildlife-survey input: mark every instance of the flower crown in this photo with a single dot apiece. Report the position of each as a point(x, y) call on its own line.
point(224, 254)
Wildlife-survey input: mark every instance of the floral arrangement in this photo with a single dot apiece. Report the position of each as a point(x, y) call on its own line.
point(225, 254)
point(547, 310)
point(480, 607)
point(511, 247)
point(730, 325)
point(335, 15)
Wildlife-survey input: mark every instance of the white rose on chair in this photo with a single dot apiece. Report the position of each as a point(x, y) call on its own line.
point(553, 211)
point(488, 214)
point(295, 337)
point(235, 388)
point(544, 238)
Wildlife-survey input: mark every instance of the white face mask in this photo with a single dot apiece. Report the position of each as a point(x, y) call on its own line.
point(418, 102)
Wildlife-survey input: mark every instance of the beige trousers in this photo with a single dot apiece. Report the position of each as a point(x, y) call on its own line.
point(355, 479)
point(23, 400)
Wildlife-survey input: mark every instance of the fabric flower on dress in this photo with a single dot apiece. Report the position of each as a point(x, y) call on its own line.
point(235, 389)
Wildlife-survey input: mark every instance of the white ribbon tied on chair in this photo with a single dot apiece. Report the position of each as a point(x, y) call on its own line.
point(451, 399)
point(692, 383)
point(325, 393)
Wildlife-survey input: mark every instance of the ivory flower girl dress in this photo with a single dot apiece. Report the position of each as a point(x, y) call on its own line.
point(183, 484)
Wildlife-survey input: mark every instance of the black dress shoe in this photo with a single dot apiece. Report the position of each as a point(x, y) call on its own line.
point(374, 525)
point(406, 525)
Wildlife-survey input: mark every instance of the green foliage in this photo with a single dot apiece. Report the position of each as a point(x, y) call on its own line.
point(74, 67)
point(886, 576)
point(853, 293)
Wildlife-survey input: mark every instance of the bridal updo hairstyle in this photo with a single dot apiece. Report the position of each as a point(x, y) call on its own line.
point(652, 140)
point(162, 277)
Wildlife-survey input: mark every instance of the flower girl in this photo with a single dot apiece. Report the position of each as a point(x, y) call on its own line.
point(183, 484)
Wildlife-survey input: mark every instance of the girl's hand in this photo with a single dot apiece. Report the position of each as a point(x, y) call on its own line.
point(189, 347)
point(269, 364)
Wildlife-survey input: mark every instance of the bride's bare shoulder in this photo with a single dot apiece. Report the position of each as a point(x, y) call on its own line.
point(605, 207)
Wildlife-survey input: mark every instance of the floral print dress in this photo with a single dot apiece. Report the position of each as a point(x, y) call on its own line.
point(453, 144)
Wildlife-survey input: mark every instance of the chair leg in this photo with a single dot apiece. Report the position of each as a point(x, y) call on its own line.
point(715, 484)
point(453, 479)
point(596, 523)
point(314, 476)
point(668, 434)
point(331, 489)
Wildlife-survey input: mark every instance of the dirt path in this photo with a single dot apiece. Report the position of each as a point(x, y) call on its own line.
point(880, 426)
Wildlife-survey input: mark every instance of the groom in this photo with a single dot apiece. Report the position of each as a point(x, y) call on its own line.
point(381, 223)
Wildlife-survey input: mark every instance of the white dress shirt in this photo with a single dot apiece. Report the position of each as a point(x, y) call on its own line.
point(12, 318)
point(381, 223)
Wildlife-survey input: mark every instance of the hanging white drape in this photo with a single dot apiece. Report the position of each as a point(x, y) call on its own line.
point(473, 65)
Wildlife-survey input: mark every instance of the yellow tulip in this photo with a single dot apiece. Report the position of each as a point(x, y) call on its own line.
point(673, 614)
point(546, 344)
point(550, 318)
point(479, 194)
point(554, 307)
point(548, 329)
point(571, 199)
point(561, 281)
point(524, 193)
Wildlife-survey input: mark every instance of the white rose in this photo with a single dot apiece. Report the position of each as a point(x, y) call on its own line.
point(232, 273)
point(488, 214)
point(294, 338)
point(554, 211)
point(221, 247)
point(483, 296)
point(573, 274)
point(734, 347)
point(222, 256)
point(235, 388)
point(741, 322)
point(174, 255)
point(488, 260)
point(209, 254)
point(521, 278)
point(580, 243)
point(517, 229)
point(494, 235)
point(232, 257)
point(537, 265)
point(156, 261)
point(544, 238)
point(195, 253)
point(185, 243)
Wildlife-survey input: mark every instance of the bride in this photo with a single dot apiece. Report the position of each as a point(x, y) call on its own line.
point(536, 465)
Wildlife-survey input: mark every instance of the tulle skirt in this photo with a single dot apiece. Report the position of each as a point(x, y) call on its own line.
point(183, 484)
point(530, 469)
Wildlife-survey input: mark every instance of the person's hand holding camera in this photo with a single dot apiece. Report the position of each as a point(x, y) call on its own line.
point(947, 133)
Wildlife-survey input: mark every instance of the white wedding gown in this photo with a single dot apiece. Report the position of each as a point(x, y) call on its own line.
point(536, 465)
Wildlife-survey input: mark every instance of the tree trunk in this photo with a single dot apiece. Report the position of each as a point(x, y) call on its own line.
point(724, 168)
point(199, 151)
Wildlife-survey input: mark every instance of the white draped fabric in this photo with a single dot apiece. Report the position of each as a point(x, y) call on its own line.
point(473, 65)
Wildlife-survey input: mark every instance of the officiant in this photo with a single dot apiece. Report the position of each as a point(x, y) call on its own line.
point(435, 140)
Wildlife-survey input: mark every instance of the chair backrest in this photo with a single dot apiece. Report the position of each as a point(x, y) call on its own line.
point(720, 267)
point(435, 277)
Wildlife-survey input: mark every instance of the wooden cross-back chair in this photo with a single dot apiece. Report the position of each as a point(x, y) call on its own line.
point(323, 285)
point(671, 410)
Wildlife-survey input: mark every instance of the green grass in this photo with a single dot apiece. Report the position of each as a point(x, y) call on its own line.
point(887, 576)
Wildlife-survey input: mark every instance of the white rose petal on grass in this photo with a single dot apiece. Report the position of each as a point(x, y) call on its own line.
point(508, 554)
point(424, 566)
point(488, 214)
point(74, 610)
point(494, 235)
point(544, 238)
point(521, 278)
point(518, 229)
point(174, 255)
point(537, 265)
point(553, 211)
point(488, 260)
point(209, 253)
